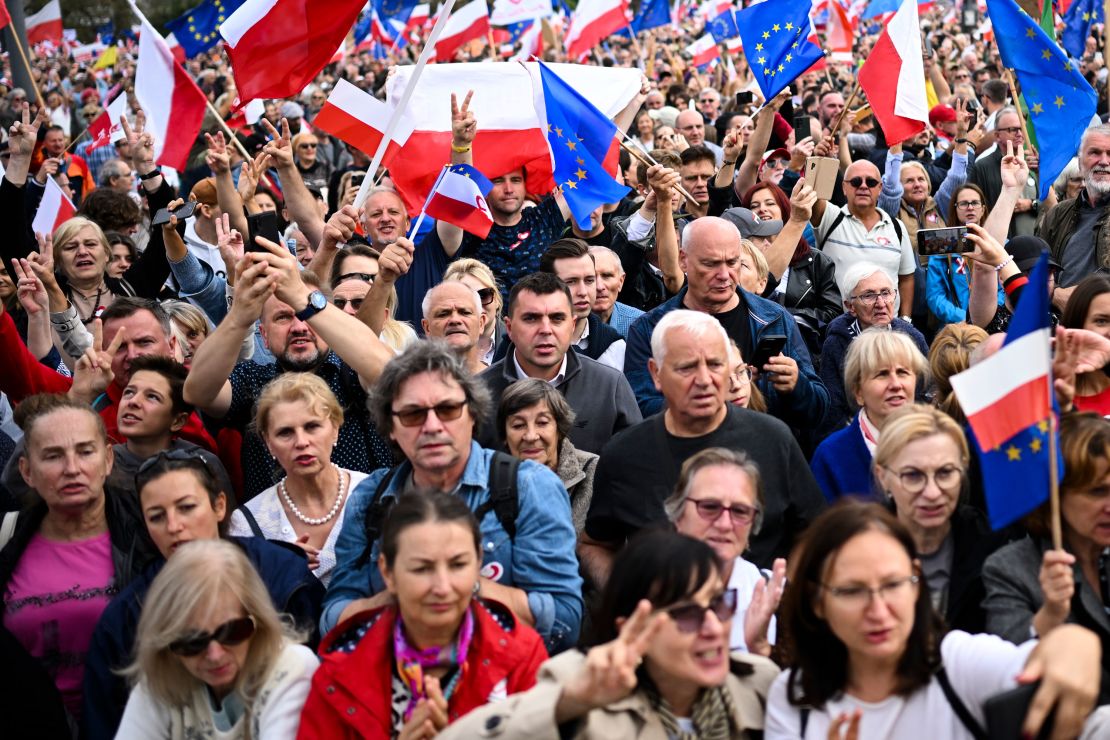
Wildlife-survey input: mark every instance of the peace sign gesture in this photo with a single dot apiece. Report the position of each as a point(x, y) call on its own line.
point(463, 123)
point(280, 147)
point(141, 142)
point(93, 372)
point(25, 132)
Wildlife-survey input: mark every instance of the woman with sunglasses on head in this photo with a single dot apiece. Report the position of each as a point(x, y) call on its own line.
point(213, 657)
point(437, 651)
point(867, 656)
point(660, 666)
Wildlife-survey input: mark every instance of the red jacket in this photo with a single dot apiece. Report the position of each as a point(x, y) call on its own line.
point(352, 693)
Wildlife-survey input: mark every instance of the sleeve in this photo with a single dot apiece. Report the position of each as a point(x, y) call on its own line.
point(280, 714)
point(636, 354)
point(808, 403)
point(806, 499)
point(720, 199)
point(529, 714)
point(628, 412)
point(199, 283)
point(350, 579)
point(21, 374)
point(1009, 605)
point(832, 358)
point(70, 332)
point(149, 272)
point(908, 263)
point(605, 520)
point(104, 693)
point(237, 525)
point(937, 298)
point(552, 215)
point(956, 177)
point(13, 215)
point(144, 718)
point(982, 666)
point(318, 721)
point(639, 227)
point(890, 199)
point(823, 473)
point(523, 677)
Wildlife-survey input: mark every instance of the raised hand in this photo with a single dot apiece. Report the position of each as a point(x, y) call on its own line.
point(845, 726)
point(733, 146)
point(93, 372)
point(987, 249)
point(48, 168)
point(30, 290)
point(141, 142)
point(663, 181)
point(228, 240)
point(395, 260)
point(283, 269)
point(253, 288)
point(24, 133)
point(764, 604)
point(280, 146)
point(1057, 583)
point(1014, 168)
point(251, 173)
point(802, 200)
point(463, 124)
point(217, 157)
point(340, 227)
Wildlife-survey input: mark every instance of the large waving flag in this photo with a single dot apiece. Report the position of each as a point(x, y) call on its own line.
point(459, 198)
point(466, 23)
point(45, 25)
point(723, 27)
point(359, 119)
point(593, 21)
point(703, 52)
point(776, 42)
point(894, 77)
point(198, 30)
point(652, 14)
point(278, 46)
point(108, 126)
point(840, 33)
point(1060, 101)
point(1008, 401)
point(507, 12)
point(1081, 15)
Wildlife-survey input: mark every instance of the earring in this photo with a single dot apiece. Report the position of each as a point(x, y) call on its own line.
point(477, 587)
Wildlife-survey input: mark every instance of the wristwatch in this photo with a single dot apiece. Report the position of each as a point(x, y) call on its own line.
point(907, 319)
point(317, 301)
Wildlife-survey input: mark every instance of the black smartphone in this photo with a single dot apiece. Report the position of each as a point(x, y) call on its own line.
point(162, 215)
point(265, 225)
point(1005, 714)
point(801, 127)
point(948, 240)
point(769, 346)
point(744, 97)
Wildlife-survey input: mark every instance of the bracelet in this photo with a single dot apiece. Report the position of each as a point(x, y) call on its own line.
point(156, 172)
point(963, 141)
point(725, 162)
point(460, 149)
point(1004, 262)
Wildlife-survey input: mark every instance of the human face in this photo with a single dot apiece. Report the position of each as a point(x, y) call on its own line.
point(749, 274)
point(744, 125)
point(306, 150)
point(432, 578)
point(219, 665)
point(349, 294)
point(1094, 165)
point(123, 182)
point(489, 310)
point(452, 316)
point(915, 184)
point(932, 507)
point(764, 206)
point(685, 662)
point(728, 486)
point(84, 257)
point(739, 380)
point(655, 100)
point(67, 461)
point(878, 313)
point(540, 328)
point(291, 340)
point(774, 169)
point(305, 251)
point(829, 107)
point(863, 197)
point(146, 407)
point(54, 143)
point(386, 220)
point(610, 280)
point(1086, 513)
point(120, 260)
point(1098, 315)
point(177, 510)
point(145, 337)
point(7, 286)
point(875, 633)
point(709, 103)
point(693, 376)
point(435, 446)
point(580, 275)
point(359, 264)
point(712, 266)
point(644, 126)
point(507, 196)
point(265, 202)
point(531, 434)
point(886, 388)
point(691, 125)
point(1008, 128)
point(300, 438)
point(971, 212)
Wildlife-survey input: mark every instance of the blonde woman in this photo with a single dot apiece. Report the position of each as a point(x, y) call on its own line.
point(213, 658)
point(478, 276)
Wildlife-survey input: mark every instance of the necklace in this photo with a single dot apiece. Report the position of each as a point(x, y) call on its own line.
point(339, 494)
point(95, 303)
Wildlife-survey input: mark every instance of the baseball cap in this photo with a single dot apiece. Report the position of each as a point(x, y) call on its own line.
point(667, 115)
point(942, 114)
point(751, 226)
point(289, 109)
point(771, 153)
point(1026, 250)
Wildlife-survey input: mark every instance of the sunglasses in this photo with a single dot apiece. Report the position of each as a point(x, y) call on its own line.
point(228, 634)
point(710, 509)
point(341, 303)
point(777, 164)
point(307, 146)
point(487, 295)
point(856, 182)
point(189, 456)
point(444, 411)
point(690, 617)
point(363, 276)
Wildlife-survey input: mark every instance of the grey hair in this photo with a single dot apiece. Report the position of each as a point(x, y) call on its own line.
point(856, 274)
point(697, 323)
point(528, 392)
point(878, 347)
point(426, 303)
point(708, 458)
point(111, 168)
point(1006, 109)
point(1071, 169)
point(428, 356)
point(1103, 129)
point(596, 250)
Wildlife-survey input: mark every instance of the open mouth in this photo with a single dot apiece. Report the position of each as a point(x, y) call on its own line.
point(304, 459)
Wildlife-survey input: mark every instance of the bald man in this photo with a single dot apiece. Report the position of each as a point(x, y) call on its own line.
point(453, 313)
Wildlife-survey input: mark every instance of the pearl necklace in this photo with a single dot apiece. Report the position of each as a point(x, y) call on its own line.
point(339, 494)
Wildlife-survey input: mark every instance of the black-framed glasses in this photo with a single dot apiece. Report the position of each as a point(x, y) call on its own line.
point(857, 182)
point(969, 203)
point(690, 617)
point(1011, 130)
point(342, 303)
point(859, 596)
point(229, 634)
point(307, 145)
point(869, 298)
point(710, 510)
point(914, 480)
point(414, 416)
point(487, 295)
point(363, 276)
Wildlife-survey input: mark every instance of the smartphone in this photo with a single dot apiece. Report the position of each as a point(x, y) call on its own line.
point(265, 225)
point(948, 240)
point(162, 215)
point(1005, 713)
point(769, 346)
point(744, 97)
point(357, 178)
point(821, 175)
point(801, 127)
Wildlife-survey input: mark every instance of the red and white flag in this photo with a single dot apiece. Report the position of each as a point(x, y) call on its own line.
point(894, 77)
point(176, 49)
point(704, 51)
point(45, 25)
point(54, 209)
point(360, 119)
point(467, 23)
point(419, 17)
point(278, 46)
point(108, 126)
point(173, 104)
point(457, 198)
point(594, 20)
point(840, 33)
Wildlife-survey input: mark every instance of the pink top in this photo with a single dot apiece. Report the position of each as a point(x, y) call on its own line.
point(53, 601)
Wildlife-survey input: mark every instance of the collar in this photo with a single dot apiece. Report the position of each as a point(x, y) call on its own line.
point(584, 340)
point(1085, 199)
point(869, 431)
point(559, 376)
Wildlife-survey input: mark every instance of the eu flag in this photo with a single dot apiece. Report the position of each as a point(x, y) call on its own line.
point(363, 27)
point(1081, 15)
point(723, 27)
point(579, 136)
point(198, 30)
point(1061, 103)
point(397, 9)
point(776, 43)
point(652, 14)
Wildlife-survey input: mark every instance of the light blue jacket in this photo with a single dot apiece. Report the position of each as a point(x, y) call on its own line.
point(946, 290)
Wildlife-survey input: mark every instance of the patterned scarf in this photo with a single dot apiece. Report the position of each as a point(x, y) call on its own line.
point(412, 662)
point(712, 716)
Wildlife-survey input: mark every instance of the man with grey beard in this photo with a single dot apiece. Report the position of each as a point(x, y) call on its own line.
point(1077, 230)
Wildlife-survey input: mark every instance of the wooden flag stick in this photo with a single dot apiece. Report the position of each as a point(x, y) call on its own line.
point(847, 106)
point(1054, 484)
point(647, 159)
point(1008, 75)
point(27, 66)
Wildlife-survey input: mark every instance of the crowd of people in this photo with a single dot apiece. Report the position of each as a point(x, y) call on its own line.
point(698, 471)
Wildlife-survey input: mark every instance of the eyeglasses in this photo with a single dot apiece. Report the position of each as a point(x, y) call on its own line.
point(914, 480)
point(363, 276)
point(444, 411)
point(228, 634)
point(743, 375)
point(870, 297)
point(690, 617)
point(1011, 130)
point(487, 295)
point(860, 596)
point(710, 510)
point(968, 203)
point(777, 164)
point(857, 182)
point(962, 76)
point(341, 303)
point(307, 146)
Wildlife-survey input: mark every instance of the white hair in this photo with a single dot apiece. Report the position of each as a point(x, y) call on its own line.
point(697, 323)
point(596, 250)
point(856, 274)
point(426, 304)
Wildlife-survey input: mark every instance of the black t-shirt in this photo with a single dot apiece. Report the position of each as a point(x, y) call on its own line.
point(738, 327)
point(639, 468)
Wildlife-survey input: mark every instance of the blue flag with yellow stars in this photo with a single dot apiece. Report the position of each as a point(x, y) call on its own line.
point(723, 27)
point(579, 136)
point(1060, 101)
point(776, 43)
point(1081, 15)
point(199, 29)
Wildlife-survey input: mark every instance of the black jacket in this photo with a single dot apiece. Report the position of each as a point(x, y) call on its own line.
point(812, 297)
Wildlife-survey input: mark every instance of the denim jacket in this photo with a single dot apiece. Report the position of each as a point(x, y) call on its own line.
point(540, 560)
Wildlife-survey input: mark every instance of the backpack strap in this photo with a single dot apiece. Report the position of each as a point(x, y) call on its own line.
point(252, 522)
point(503, 496)
point(7, 527)
point(836, 222)
point(376, 513)
point(959, 707)
point(803, 718)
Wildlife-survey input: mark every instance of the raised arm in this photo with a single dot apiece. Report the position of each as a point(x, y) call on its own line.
point(782, 248)
point(394, 262)
point(1015, 173)
point(463, 129)
point(219, 161)
point(757, 144)
point(663, 181)
point(301, 204)
point(339, 228)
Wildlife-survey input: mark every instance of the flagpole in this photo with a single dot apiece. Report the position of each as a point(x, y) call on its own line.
point(1054, 483)
point(27, 66)
point(402, 104)
point(1008, 74)
point(424, 208)
point(636, 43)
point(834, 131)
point(648, 160)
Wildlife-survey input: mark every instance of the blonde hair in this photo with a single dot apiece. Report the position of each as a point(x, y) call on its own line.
point(762, 269)
point(913, 422)
point(951, 354)
point(185, 316)
point(480, 272)
point(397, 334)
point(188, 589)
point(293, 387)
point(874, 348)
point(70, 228)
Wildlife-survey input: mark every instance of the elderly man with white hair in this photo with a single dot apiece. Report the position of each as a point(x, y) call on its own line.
point(610, 280)
point(453, 312)
point(639, 468)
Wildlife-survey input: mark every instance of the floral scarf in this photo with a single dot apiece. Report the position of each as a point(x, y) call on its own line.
point(412, 662)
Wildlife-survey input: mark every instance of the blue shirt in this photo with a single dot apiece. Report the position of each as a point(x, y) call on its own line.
point(514, 251)
point(540, 560)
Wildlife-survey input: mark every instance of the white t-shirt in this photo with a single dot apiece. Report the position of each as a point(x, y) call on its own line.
point(744, 577)
point(853, 242)
point(978, 667)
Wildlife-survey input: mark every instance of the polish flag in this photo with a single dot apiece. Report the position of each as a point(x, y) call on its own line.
point(419, 17)
point(704, 51)
point(278, 46)
point(894, 77)
point(5, 18)
point(108, 127)
point(467, 23)
point(593, 21)
point(509, 135)
point(734, 46)
point(173, 103)
point(360, 119)
point(54, 209)
point(839, 33)
point(175, 48)
point(459, 198)
point(45, 25)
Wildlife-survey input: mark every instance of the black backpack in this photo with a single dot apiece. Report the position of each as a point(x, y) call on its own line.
point(503, 500)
